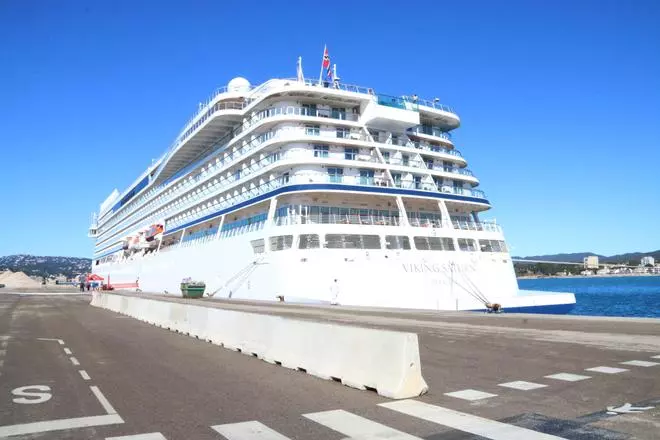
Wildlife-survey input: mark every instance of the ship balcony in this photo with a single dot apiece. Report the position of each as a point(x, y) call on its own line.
point(192, 207)
point(438, 113)
point(390, 112)
point(374, 217)
point(428, 150)
point(430, 133)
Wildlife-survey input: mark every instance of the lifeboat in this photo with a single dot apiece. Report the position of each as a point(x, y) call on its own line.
point(153, 231)
point(134, 242)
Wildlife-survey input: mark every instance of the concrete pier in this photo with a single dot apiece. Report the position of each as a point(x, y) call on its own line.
point(529, 376)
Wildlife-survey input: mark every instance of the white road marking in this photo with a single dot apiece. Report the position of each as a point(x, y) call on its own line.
point(67, 351)
point(640, 363)
point(61, 342)
point(568, 377)
point(606, 370)
point(102, 400)
point(74, 361)
point(490, 429)
point(2, 362)
point(522, 385)
point(32, 394)
point(4, 337)
point(84, 374)
point(470, 395)
point(656, 357)
point(355, 426)
point(3, 352)
point(3, 344)
point(248, 431)
point(150, 436)
point(56, 425)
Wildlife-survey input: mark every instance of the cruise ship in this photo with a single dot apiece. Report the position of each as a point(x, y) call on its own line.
point(314, 191)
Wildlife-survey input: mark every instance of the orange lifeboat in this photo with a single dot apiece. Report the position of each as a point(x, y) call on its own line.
point(153, 231)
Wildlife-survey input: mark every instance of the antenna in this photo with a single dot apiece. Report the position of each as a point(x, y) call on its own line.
point(299, 71)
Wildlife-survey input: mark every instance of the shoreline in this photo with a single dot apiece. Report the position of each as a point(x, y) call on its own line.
point(608, 275)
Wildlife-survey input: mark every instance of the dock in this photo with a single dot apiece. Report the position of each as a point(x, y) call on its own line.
point(489, 376)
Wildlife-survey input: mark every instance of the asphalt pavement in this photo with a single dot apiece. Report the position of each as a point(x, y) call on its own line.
point(72, 371)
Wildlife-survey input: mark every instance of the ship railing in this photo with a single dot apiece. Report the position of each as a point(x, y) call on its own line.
point(335, 85)
point(339, 219)
point(430, 131)
point(214, 167)
point(405, 142)
point(427, 222)
point(198, 212)
point(435, 104)
point(453, 170)
point(476, 226)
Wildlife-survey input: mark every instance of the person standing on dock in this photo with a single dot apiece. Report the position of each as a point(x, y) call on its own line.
point(334, 292)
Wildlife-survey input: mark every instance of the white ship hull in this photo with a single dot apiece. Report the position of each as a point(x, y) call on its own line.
point(410, 279)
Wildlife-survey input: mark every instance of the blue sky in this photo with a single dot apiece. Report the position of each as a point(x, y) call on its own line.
point(560, 101)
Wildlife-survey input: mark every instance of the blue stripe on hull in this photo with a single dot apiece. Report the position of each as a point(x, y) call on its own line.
point(550, 309)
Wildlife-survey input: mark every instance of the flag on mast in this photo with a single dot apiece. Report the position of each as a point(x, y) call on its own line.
point(325, 64)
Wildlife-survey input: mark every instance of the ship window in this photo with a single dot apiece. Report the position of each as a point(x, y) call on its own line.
point(405, 159)
point(343, 132)
point(492, 246)
point(312, 130)
point(258, 246)
point(309, 110)
point(321, 150)
point(434, 243)
point(386, 156)
point(281, 242)
point(335, 174)
point(352, 241)
point(338, 113)
point(351, 153)
point(397, 242)
point(467, 244)
point(309, 241)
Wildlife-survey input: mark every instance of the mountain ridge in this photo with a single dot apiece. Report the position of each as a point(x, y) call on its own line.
point(578, 257)
point(45, 266)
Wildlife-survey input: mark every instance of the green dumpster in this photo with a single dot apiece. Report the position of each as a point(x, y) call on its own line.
point(193, 289)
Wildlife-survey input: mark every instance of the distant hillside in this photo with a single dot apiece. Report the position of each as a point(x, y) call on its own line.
point(45, 266)
point(632, 258)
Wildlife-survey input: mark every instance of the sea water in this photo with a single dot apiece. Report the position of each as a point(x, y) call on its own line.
point(605, 296)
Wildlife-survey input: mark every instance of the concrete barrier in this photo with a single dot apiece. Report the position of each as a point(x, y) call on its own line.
point(381, 360)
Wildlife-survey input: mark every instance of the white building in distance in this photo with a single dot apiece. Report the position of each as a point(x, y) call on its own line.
point(648, 260)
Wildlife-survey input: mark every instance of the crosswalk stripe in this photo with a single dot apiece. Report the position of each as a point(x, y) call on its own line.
point(355, 426)
point(476, 425)
point(640, 363)
point(248, 431)
point(149, 436)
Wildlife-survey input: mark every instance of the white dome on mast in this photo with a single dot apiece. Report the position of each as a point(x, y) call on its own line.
point(238, 84)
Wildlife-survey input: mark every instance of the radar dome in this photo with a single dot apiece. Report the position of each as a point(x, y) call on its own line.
point(238, 84)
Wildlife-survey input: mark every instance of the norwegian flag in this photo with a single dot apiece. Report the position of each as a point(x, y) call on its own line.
point(326, 58)
point(326, 70)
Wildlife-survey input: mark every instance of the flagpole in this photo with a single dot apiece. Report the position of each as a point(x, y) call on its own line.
point(325, 47)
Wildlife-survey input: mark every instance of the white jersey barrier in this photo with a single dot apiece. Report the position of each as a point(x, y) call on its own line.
point(382, 360)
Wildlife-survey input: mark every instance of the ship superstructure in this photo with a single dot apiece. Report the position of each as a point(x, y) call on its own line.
point(314, 191)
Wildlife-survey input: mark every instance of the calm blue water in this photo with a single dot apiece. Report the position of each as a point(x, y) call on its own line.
point(606, 296)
